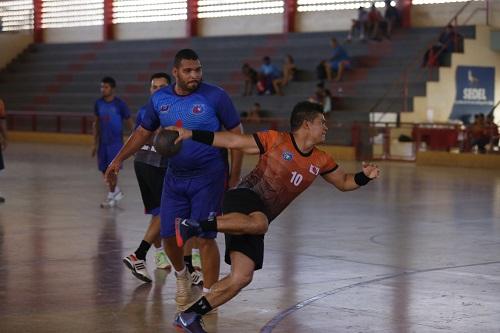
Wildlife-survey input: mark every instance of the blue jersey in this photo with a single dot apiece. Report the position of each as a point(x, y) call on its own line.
point(111, 116)
point(207, 108)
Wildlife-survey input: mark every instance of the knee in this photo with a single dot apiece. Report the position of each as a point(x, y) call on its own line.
point(240, 281)
point(206, 242)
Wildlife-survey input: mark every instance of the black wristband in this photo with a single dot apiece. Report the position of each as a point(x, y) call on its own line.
point(361, 179)
point(206, 137)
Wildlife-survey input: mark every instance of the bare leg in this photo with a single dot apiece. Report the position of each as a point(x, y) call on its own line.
point(241, 224)
point(242, 268)
point(174, 253)
point(277, 86)
point(210, 261)
point(328, 70)
point(340, 71)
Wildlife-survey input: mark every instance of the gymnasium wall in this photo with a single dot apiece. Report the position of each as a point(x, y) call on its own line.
point(11, 44)
point(441, 94)
point(438, 15)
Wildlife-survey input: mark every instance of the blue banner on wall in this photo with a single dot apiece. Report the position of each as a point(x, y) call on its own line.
point(475, 92)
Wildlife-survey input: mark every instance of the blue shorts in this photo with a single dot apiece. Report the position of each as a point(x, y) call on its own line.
point(336, 64)
point(196, 198)
point(106, 153)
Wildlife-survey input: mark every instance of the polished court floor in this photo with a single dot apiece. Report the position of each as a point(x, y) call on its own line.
point(416, 251)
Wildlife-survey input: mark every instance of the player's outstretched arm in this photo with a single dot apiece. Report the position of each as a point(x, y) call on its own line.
point(228, 140)
point(135, 141)
point(349, 181)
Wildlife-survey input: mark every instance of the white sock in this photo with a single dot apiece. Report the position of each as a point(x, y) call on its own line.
point(206, 290)
point(117, 189)
point(182, 272)
point(159, 249)
point(195, 251)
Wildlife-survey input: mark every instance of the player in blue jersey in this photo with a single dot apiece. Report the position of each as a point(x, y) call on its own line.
point(110, 112)
point(196, 177)
point(150, 168)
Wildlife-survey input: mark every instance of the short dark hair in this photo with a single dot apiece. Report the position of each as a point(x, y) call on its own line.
point(109, 80)
point(304, 111)
point(185, 54)
point(161, 75)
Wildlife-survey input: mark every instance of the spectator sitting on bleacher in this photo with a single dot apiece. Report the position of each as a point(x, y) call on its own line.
point(359, 25)
point(339, 61)
point(268, 73)
point(391, 17)
point(250, 77)
point(449, 41)
point(288, 73)
point(323, 97)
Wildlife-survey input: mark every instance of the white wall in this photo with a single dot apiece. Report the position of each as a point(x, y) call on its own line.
point(153, 30)
point(438, 15)
point(325, 21)
point(241, 25)
point(495, 14)
point(11, 44)
point(74, 35)
point(441, 95)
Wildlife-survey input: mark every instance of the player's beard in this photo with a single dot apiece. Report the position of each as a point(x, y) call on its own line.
point(189, 86)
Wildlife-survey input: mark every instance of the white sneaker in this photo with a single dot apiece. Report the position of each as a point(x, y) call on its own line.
point(137, 267)
point(183, 294)
point(117, 196)
point(109, 202)
point(196, 278)
point(162, 261)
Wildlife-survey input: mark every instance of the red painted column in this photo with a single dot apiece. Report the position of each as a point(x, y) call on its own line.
point(404, 7)
point(109, 31)
point(192, 18)
point(37, 21)
point(290, 16)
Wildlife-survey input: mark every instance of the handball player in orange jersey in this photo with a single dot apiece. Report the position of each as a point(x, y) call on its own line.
point(288, 165)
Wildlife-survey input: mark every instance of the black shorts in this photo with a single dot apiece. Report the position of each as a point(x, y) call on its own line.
point(150, 180)
point(246, 201)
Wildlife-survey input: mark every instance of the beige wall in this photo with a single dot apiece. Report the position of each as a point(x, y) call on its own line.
point(154, 30)
point(11, 44)
point(438, 15)
point(74, 35)
point(325, 21)
point(441, 94)
point(495, 13)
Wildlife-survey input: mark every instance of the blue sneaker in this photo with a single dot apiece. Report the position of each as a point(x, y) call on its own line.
point(185, 229)
point(190, 322)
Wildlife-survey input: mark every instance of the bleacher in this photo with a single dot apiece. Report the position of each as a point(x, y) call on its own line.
point(65, 77)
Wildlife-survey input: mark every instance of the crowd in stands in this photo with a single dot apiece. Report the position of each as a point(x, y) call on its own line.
point(449, 41)
point(372, 25)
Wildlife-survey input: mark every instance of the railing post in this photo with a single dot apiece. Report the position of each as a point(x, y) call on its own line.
point(355, 139)
point(387, 142)
point(416, 131)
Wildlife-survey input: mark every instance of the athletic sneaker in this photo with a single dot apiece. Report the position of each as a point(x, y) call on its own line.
point(183, 294)
point(196, 278)
point(112, 199)
point(162, 261)
point(190, 322)
point(137, 267)
point(185, 229)
point(196, 259)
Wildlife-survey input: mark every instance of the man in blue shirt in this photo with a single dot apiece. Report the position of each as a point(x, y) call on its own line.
point(110, 112)
point(339, 61)
point(197, 176)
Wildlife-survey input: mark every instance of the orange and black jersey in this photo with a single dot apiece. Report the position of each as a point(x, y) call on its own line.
point(283, 171)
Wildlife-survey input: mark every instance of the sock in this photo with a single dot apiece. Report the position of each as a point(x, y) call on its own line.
point(189, 263)
point(206, 290)
point(159, 249)
point(181, 272)
point(209, 225)
point(201, 307)
point(117, 189)
point(142, 250)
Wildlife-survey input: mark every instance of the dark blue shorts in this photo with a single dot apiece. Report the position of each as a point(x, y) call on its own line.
point(106, 153)
point(196, 198)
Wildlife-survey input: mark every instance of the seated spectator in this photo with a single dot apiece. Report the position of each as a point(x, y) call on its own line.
point(289, 70)
point(492, 131)
point(323, 97)
point(391, 18)
point(268, 73)
point(451, 40)
point(250, 78)
point(339, 61)
point(255, 113)
point(359, 25)
point(374, 21)
point(479, 134)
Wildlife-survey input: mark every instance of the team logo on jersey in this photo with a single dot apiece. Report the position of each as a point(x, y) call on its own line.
point(197, 109)
point(314, 170)
point(165, 108)
point(287, 156)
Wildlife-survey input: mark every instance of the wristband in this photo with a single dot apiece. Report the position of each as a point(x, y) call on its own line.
point(205, 137)
point(361, 179)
